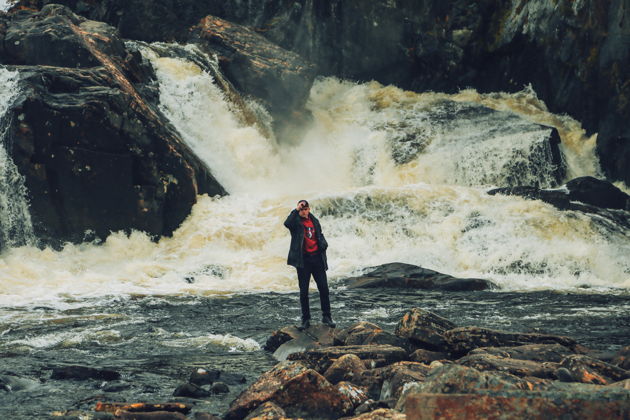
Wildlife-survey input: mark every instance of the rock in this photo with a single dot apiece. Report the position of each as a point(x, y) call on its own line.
point(381, 414)
point(191, 390)
point(625, 384)
point(530, 405)
point(598, 193)
point(300, 391)
point(363, 333)
point(204, 376)
point(279, 78)
point(622, 358)
point(206, 416)
point(279, 337)
point(314, 337)
point(219, 388)
point(396, 376)
point(116, 386)
point(322, 358)
point(400, 275)
point(12, 383)
point(355, 394)
point(516, 367)
point(82, 373)
point(346, 368)
point(592, 371)
point(427, 356)
point(464, 339)
point(535, 352)
point(142, 407)
point(96, 155)
point(424, 329)
point(155, 415)
point(267, 411)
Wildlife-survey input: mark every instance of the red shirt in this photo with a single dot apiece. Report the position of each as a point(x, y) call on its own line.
point(310, 239)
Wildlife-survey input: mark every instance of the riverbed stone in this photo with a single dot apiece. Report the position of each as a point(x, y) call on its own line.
point(355, 394)
point(622, 358)
point(586, 369)
point(290, 340)
point(535, 352)
point(82, 373)
point(424, 329)
point(397, 375)
point(267, 411)
point(464, 339)
point(364, 332)
point(484, 362)
point(401, 275)
point(378, 355)
point(536, 406)
point(381, 414)
point(346, 368)
point(191, 390)
point(427, 356)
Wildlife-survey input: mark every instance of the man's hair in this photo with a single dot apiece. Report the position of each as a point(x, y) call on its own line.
point(304, 201)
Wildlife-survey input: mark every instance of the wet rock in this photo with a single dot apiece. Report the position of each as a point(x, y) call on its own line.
point(625, 384)
point(96, 155)
point(346, 368)
point(82, 373)
point(108, 407)
point(314, 337)
point(535, 352)
point(380, 355)
point(400, 275)
point(622, 358)
point(206, 416)
point(279, 337)
point(427, 356)
point(528, 405)
point(592, 371)
point(464, 339)
point(372, 381)
point(424, 329)
point(219, 388)
point(396, 376)
point(300, 391)
point(155, 415)
point(116, 386)
point(356, 395)
point(484, 362)
point(268, 410)
point(191, 390)
point(363, 333)
point(204, 376)
point(13, 383)
point(381, 414)
point(257, 67)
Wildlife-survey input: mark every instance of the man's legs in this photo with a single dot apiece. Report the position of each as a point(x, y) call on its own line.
point(319, 274)
point(304, 277)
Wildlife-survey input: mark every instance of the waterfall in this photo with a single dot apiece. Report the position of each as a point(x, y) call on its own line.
point(16, 228)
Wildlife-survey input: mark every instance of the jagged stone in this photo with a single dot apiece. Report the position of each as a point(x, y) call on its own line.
point(427, 356)
point(267, 411)
point(379, 355)
point(367, 333)
point(534, 352)
point(592, 371)
point(622, 358)
point(396, 376)
point(346, 368)
point(484, 362)
point(424, 329)
point(381, 414)
point(295, 341)
point(464, 339)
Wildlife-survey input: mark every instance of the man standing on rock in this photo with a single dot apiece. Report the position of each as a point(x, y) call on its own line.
point(308, 255)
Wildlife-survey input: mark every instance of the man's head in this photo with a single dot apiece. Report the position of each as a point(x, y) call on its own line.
point(303, 208)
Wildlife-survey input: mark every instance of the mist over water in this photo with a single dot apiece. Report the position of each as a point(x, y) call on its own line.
point(391, 176)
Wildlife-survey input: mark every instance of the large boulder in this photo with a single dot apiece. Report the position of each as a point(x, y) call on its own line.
point(424, 329)
point(96, 154)
point(364, 332)
point(299, 391)
point(401, 275)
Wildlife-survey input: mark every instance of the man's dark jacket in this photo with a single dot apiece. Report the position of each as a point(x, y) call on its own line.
point(294, 224)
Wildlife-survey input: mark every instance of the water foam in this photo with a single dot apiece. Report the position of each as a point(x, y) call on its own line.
point(373, 209)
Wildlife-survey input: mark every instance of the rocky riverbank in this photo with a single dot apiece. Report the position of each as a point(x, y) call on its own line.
point(428, 367)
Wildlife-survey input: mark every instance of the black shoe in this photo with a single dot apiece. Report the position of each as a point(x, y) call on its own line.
point(327, 320)
point(306, 324)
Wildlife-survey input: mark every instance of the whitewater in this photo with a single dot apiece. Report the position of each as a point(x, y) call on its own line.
point(429, 207)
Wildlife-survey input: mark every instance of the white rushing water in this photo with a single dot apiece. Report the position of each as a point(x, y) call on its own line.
point(391, 177)
point(4, 5)
point(15, 220)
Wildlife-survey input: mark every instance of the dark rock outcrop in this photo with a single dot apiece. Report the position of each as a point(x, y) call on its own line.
point(572, 54)
point(82, 373)
point(96, 155)
point(523, 368)
point(402, 275)
point(424, 329)
point(535, 352)
point(191, 390)
point(593, 371)
point(377, 355)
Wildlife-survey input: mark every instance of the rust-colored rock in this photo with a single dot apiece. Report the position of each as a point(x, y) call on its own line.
point(356, 395)
point(267, 411)
point(424, 329)
point(593, 371)
point(622, 358)
point(514, 366)
point(381, 414)
point(538, 406)
point(463, 340)
point(396, 376)
point(534, 352)
point(290, 340)
point(367, 333)
point(346, 368)
point(154, 415)
point(112, 407)
point(300, 391)
point(427, 356)
point(380, 355)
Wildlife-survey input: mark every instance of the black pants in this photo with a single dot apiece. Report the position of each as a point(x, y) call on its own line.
point(313, 265)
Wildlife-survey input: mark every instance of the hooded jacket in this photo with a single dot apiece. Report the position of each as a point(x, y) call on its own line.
point(296, 254)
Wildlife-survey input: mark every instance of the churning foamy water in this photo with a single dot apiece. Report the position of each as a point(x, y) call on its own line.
point(393, 176)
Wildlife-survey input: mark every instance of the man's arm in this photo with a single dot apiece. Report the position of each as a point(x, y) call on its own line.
point(293, 220)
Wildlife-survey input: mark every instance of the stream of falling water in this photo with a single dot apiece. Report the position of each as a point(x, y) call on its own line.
point(390, 173)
